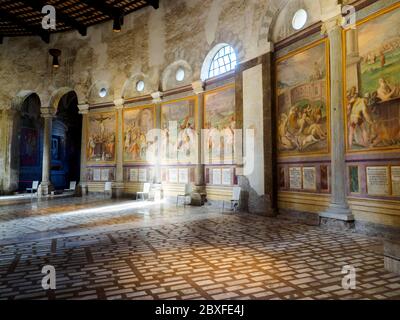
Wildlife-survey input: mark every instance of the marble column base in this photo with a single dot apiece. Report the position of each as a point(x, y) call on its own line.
point(82, 190)
point(338, 212)
point(45, 189)
point(197, 197)
point(118, 190)
point(337, 217)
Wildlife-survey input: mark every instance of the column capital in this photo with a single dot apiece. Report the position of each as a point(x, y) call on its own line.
point(119, 103)
point(157, 96)
point(8, 111)
point(332, 24)
point(83, 108)
point(198, 87)
point(47, 113)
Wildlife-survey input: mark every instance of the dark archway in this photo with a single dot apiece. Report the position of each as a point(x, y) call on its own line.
point(30, 142)
point(66, 142)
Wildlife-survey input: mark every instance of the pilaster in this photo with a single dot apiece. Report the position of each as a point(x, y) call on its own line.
point(46, 186)
point(198, 89)
point(339, 208)
point(118, 186)
point(83, 187)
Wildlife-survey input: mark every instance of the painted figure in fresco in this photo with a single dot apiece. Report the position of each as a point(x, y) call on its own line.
point(229, 138)
point(91, 147)
point(301, 128)
point(386, 91)
point(101, 120)
point(359, 117)
point(318, 74)
point(214, 141)
point(136, 144)
point(165, 141)
point(110, 146)
point(186, 137)
point(101, 140)
point(383, 59)
point(128, 140)
point(373, 112)
point(284, 137)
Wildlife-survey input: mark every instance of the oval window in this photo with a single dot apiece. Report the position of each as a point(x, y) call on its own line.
point(180, 75)
point(140, 86)
point(299, 19)
point(102, 92)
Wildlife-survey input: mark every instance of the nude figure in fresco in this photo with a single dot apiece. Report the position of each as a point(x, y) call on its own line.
point(359, 117)
point(283, 134)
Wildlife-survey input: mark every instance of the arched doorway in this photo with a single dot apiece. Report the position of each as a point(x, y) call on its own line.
point(66, 142)
point(30, 137)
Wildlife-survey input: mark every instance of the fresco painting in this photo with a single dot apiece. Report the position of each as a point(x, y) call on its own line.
point(178, 132)
point(302, 101)
point(373, 100)
point(101, 137)
point(220, 124)
point(138, 122)
point(29, 151)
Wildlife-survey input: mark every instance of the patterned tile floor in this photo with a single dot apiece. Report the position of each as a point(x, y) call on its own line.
point(103, 249)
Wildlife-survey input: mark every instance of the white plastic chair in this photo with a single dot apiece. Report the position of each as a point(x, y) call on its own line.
point(235, 200)
point(72, 186)
point(34, 189)
point(188, 193)
point(146, 192)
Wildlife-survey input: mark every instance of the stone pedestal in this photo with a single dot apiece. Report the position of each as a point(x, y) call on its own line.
point(198, 196)
point(392, 256)
point(118, 190)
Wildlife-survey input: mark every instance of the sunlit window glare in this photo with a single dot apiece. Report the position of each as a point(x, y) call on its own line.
point(224, 61)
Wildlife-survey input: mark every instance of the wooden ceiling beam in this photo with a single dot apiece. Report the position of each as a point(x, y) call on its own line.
point(104, 8)
point(37, 5)
point(7, 16)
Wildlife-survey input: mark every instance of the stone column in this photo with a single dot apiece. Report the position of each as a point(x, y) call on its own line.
point(118, 186)
point(352, 59)
point(46, 186)
point(157, 99)
point(83, 187)
point(339, 209)
point(2, 145)
point(198, 89)
point(9, 148)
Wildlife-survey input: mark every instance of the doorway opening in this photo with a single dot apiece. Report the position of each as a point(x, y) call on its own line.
point(30, 142)
point(66, 143)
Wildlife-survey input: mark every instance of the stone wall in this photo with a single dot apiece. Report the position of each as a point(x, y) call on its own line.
point(180, 34)
point(151, 42)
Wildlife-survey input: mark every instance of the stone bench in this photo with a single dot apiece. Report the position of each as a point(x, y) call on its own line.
point(392, 256)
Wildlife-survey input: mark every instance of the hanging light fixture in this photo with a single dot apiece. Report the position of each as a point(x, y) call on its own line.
point(118, 22)
point(55, 53)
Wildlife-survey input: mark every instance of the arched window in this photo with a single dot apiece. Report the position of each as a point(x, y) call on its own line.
point(221, 59)
point(224, 61)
